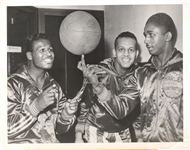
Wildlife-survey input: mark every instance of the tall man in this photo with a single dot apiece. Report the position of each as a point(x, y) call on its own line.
point(160, 82)
point(37, 107)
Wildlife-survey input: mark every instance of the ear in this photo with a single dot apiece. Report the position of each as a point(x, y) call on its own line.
point(168, 36)
point(29, 55)
point(114, 52)
point(137, 53)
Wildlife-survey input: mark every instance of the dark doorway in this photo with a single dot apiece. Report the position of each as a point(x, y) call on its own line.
point(65, 69)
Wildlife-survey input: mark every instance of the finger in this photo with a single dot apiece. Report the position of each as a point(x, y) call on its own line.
point(83, 62)
point(73, 107)
point(53, 86)
point(91, 72)
point(88, 69)
point(49, 94)
point(74, 102)
point(54, 90)
point(93, 67)
point(79, 65)
point(49, 100)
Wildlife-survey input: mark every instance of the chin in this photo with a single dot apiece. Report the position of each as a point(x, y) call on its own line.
point(47, 67)
point(126, 66)
point(152, 52)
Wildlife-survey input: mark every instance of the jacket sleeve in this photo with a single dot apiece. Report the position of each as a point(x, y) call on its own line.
point(63, 124)
point(81, 120)
point(120, 105)
point(19, 117)
point(87, 102)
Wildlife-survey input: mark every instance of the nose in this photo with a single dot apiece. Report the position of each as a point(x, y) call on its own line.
point(49, 52)
point(126, 52)
point(146, 40)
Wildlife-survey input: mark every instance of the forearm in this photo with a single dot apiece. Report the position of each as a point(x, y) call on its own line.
point(118, 105)
point(19, 120)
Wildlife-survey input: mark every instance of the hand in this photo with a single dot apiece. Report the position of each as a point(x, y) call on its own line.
point(78, 138)
point(71, 106)
point(89, 71)
point(47, 97)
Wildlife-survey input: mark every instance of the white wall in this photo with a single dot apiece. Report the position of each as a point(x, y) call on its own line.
point(84, 7)
point(133, 18)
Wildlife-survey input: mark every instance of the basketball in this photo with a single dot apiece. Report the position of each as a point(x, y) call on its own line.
point(80, 33)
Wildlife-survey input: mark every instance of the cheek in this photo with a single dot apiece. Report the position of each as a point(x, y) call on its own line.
point(133, 56)
point(118, 54)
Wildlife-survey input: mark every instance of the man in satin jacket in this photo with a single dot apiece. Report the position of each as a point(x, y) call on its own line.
point(108, 108)
point(160, 83)
point(37, 107)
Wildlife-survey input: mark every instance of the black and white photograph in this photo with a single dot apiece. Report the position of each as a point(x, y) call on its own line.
point(89, 76)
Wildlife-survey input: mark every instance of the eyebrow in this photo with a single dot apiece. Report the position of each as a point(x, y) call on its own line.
point(147, 32)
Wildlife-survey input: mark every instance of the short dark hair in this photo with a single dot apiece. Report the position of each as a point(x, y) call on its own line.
point(126, 34)
point(165, 21)
point(33, 38)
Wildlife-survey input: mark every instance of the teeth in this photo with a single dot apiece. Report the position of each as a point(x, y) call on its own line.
point(126, 59)
point(48, 60)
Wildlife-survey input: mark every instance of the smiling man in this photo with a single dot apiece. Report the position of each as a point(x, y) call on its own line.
point(37, 107)
point(108, 109)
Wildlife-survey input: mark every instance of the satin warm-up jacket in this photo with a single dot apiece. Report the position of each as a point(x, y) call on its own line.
point(161, 92)
point(116, 113)
point(23, 125)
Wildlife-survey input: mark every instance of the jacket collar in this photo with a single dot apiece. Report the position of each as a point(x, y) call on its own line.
point(22, 72)
point(108, 65)
point(175, 57)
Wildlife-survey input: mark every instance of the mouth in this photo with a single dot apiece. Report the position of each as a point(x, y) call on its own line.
point(125, 60)
point(48, 60)
point(149, 47)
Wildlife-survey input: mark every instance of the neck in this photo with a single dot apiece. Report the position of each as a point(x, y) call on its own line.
point(37, 74)
point(162, 58)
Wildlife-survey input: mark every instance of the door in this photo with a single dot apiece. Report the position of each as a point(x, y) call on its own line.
point(21, 23)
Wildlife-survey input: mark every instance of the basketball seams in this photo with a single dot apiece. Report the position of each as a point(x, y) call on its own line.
point(73, 34)
point(67, 27)
point(72, 42)
point(67, 23)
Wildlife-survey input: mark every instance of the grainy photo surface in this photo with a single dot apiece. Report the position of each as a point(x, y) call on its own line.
point(98, 76)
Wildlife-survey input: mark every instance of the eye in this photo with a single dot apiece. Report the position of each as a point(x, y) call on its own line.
point(151, 34)
point(132, 50)
point(51, 49)
point(121, 49)
point(41, 50)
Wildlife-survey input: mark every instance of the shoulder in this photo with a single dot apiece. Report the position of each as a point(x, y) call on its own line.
point(15, 78)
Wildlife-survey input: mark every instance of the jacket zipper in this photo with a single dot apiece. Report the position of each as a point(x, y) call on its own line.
point(157, 97)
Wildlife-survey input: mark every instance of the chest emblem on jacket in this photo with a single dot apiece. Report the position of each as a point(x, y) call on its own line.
point(173, 84)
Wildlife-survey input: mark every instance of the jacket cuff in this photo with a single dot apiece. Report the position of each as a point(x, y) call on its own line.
point(103, 96)
point(34, 110)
